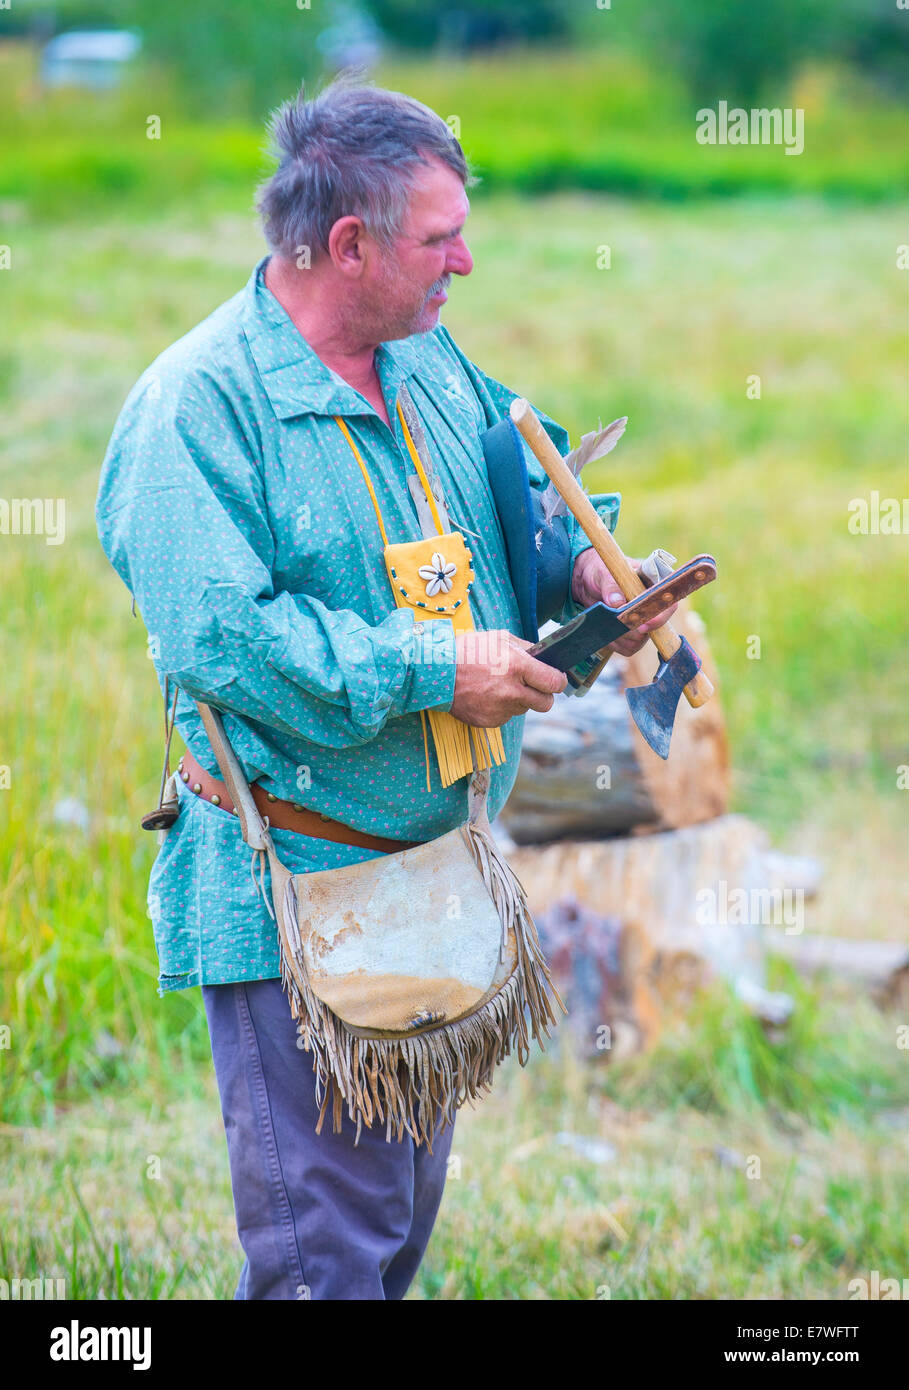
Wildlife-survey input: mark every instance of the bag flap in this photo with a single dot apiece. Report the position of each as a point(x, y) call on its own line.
point(402, 942)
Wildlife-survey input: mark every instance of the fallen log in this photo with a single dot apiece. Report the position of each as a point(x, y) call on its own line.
point(586, 772)
point(881, 967)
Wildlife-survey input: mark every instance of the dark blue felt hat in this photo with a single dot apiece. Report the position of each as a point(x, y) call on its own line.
point(539, 554)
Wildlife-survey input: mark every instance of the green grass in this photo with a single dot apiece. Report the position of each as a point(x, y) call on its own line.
point(605, 122)
point(712, 1193)
point(834, 1061)
point(723, 1200)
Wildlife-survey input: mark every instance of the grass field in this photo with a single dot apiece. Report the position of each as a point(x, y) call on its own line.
point(99, 1074)
point(128, 1198)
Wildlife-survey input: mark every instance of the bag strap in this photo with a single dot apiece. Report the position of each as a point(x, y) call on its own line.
point(477, 791)
point(252, 826)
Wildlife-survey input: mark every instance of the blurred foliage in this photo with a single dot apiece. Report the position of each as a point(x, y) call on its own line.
point(241, 59)
point(738, 51)
point(610, 122)
point(241, 67)
point(880, 46)
point(236, 60)
point(601, 121)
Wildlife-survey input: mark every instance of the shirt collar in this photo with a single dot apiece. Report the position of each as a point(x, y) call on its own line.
point(296, 380)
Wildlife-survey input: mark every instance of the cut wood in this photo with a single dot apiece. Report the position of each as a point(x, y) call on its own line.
point(586, 771)
point(691, 904)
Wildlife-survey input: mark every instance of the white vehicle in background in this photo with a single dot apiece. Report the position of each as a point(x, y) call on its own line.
point(94, 58)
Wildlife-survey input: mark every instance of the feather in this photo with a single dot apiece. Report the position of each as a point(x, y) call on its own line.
point(593, 446)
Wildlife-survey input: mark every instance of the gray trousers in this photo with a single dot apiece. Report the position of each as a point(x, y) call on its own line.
point(317, 1217)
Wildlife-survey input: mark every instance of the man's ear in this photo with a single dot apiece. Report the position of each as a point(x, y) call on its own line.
point(346, 246)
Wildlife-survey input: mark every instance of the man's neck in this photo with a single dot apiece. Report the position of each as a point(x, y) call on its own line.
point(321, 325)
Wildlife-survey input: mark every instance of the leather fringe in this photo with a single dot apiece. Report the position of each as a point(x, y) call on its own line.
point(461, 748)
point(414, 1084)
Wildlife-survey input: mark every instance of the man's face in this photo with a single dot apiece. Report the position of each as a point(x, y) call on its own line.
point(408, 283)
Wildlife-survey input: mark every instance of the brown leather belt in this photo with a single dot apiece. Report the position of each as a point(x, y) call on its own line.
point(284, 815)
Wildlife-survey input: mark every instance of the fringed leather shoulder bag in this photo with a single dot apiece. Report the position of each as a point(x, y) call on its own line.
point(410, 976)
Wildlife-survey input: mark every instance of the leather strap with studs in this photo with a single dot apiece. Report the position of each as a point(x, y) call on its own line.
point(284, 815)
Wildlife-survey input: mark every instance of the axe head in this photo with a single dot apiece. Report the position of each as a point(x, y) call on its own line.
point(653, 706)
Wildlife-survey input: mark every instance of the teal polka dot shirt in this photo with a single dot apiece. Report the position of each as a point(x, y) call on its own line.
point(234, 511)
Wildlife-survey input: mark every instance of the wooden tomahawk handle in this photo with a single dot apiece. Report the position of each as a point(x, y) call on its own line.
point(666, 640)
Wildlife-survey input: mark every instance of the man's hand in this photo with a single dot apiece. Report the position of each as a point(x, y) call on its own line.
point(495, 680)
point(593, 583)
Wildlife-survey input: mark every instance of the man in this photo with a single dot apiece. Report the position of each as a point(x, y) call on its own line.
point(233, 509)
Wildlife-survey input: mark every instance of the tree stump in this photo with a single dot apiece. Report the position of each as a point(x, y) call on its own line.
point(679, 909)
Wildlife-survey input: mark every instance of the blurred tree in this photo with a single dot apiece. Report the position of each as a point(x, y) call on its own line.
point(237, 58)
point(471, 24)
point(740, 50)
point(880, 45)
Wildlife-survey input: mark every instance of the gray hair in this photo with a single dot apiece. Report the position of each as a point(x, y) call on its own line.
point(352, 150)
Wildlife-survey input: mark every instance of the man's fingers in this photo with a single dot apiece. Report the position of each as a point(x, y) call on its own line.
point(627, 646)
point(637, 636)
point(536, 699)
point(659, 620)
point(496, 679)
point(539, 676)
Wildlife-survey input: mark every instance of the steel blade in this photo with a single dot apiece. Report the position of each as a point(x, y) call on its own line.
point(653, 706)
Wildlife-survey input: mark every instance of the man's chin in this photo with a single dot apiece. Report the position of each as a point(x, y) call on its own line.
point(424, 322)
point(428, 317)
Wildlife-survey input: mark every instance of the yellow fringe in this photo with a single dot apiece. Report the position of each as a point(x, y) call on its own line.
point(425, 747)
point(462, 748)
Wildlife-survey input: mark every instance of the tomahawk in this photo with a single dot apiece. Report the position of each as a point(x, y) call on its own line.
point(653, 706)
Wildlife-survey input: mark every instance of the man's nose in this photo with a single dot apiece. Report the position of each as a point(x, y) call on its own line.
point(459, 260)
